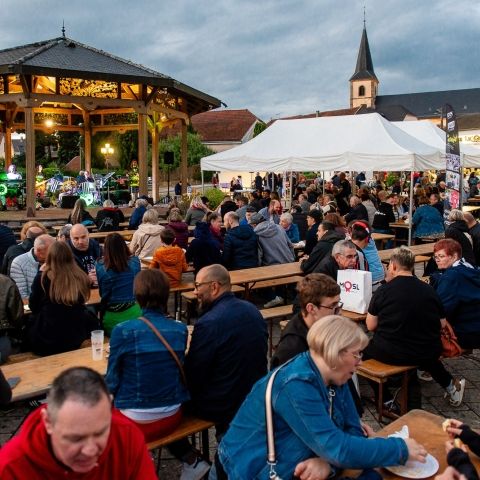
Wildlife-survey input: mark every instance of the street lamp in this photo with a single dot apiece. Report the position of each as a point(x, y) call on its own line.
point(107, 152)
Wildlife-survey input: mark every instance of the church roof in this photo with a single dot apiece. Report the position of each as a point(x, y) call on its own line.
point(393, 113)
point(364, 69)
point(430, 104)
point(64, 57)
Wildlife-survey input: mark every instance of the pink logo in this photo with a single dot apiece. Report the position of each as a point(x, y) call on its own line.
point(348, 286)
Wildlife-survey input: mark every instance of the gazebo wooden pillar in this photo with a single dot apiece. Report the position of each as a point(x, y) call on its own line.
point(142, 153)
point(155, 161)
point(184, 157)
point(30, 160)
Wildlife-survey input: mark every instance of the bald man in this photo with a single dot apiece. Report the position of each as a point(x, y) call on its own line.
point(228, 351)
point(85, 250)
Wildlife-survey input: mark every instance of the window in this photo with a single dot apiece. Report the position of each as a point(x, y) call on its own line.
point(361, 91)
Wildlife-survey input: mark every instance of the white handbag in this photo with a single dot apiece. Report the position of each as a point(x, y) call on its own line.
point(355, 289)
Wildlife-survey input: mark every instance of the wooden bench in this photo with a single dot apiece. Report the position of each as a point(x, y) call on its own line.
point(380, 372)
point(189, 427)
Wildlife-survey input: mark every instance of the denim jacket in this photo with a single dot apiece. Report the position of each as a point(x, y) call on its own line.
point(141, 372)
point(117, 287)
point(308, 422)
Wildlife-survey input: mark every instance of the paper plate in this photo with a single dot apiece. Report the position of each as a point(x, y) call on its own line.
point(417, 469)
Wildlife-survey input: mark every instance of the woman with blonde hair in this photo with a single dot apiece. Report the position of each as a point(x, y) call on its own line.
point(146, 239)
point(79, 214)
point(60, 322)
point(196, 212)
point(331, 434)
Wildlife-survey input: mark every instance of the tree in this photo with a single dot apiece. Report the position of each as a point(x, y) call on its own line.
point(259, 128)
point(196, 149)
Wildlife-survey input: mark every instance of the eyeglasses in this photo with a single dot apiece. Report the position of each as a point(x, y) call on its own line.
point(440, 256)
point(349, 257)
point(336, 309)
point(199, 284)
point(356, 356)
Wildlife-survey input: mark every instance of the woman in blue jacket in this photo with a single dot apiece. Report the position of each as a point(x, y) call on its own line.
point(313, 414)
point(427, 221)
point(142, 375)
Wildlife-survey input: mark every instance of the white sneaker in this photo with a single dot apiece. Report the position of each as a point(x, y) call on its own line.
point(456, 397)
point(196, 471)
point(424, 375)
point(274, 303)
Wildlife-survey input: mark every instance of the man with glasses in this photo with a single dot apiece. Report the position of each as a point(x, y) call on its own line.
point(319, 296)
point(344, 256)
point(228, 351)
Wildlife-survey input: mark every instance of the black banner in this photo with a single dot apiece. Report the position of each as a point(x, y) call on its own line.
point(454, 177)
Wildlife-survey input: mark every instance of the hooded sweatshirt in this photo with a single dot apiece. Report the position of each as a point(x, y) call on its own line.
point(203, 250)
point(240, 249)
point(274, 247)
point(146, 240)
point(321, 250)
point(181, 233)
point(29, 456)
point(171, 260)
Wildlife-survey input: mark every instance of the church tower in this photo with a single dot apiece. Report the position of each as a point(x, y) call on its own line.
point(363, 83)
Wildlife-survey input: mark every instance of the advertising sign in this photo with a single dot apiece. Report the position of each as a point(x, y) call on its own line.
point(454, 174)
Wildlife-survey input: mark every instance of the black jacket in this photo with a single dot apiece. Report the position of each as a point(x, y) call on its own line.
point(292, 342)
point(358, 212)
point(203, 249)
point(240, 248)
point(328, 266)
point(383, 217)
point(15, 251)
point(458, 231)
point(475, 234)
point(53, 327)
point(321, 250)
point(109, 219)
point(311, 239)
point(7, 239)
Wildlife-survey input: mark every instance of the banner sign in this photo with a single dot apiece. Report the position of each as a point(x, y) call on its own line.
point(454, 176)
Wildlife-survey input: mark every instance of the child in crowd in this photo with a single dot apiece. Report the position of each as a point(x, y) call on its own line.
point(170, 258)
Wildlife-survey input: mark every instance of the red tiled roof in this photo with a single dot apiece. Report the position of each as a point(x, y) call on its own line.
point(328, 113)
point(219, 125)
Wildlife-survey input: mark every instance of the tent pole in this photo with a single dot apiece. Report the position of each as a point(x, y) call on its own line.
point(291, 188)
point(410, 210)
point(203, 183)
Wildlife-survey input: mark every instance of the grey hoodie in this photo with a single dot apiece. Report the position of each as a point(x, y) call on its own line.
point(146, 240)
point(274, 247)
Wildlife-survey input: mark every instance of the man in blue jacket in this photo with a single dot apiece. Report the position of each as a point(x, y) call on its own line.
point(240, 247)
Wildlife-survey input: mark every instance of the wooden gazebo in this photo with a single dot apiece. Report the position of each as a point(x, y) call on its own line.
point(78, 82)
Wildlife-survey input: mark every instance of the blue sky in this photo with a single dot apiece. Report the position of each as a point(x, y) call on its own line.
point(273, 57)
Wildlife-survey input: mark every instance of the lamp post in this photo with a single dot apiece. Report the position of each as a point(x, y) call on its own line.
point(107, 152)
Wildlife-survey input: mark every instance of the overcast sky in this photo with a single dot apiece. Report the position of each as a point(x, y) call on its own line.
point(273, 57)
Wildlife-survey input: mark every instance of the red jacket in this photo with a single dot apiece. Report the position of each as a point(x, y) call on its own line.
point(28, 456)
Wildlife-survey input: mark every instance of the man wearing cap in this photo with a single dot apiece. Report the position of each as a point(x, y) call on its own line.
point(274, 248)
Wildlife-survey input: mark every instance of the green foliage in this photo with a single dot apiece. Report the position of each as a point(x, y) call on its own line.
point(127, 144)
point(215, 196)
point(196, 149)
point(392, 177)
point(259, 128)
point(68, 146)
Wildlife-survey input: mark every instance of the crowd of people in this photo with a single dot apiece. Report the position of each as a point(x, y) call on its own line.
point(223, 376)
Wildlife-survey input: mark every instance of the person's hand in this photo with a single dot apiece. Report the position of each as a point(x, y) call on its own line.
point(367, 430)
point(312, 469)
point(416, 451)
point(92, 275)
point(450, 473)
point(305, 257)
point(449, 445)
point(454, 430)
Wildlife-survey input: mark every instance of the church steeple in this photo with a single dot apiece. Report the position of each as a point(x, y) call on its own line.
point(364, 82)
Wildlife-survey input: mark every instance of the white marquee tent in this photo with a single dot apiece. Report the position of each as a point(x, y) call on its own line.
point(349, 143)
point(430, 134)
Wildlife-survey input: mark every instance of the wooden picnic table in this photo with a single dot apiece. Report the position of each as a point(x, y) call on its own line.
point(399, 224)
point(101, 236)
point(470, 208)
point(426, 428)
point(425, 249)
point(36, 376)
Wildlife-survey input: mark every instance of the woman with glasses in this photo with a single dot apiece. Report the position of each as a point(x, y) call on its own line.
point(459, 290)
point(314, 416)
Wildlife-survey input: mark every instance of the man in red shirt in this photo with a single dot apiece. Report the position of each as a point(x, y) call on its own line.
point(77, 436)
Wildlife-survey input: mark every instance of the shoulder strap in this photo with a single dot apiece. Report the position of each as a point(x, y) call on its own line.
point(167, 346)
point(143, 244)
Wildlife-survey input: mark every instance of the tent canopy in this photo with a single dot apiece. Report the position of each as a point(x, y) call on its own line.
point(352, 143)
point(430, 134)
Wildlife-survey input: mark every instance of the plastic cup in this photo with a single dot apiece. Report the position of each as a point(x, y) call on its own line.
point(97, 344)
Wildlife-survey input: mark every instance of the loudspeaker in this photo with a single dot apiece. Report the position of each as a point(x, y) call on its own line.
point(68, 201)
point(168, 158)
point(120, 196)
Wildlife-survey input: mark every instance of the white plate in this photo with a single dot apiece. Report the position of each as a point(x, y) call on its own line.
point(417, 469)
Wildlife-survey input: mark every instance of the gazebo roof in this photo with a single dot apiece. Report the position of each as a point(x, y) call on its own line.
point(64, 57)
